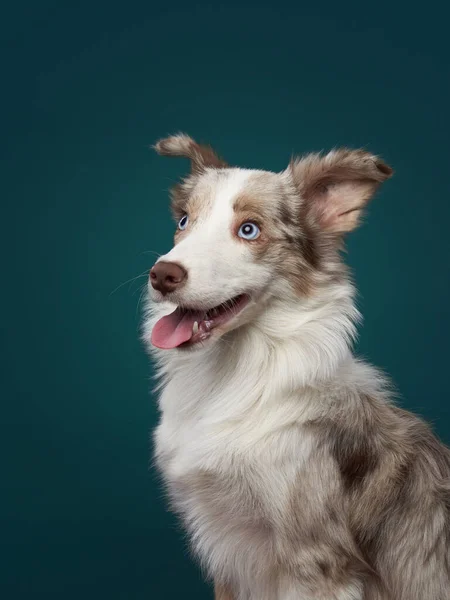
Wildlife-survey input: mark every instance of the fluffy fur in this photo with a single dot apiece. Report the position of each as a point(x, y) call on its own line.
point(294, 474)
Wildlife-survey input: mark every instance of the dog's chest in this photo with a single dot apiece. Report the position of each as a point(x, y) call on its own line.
point(200, 427)
point(224, 480)
point(218, 492)
point(188, 446)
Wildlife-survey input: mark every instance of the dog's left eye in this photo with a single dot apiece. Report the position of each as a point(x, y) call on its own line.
point(249, 231)
point(182, 223)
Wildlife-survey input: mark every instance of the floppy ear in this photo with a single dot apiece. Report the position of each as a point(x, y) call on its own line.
point(336, 187)
point(201, 156)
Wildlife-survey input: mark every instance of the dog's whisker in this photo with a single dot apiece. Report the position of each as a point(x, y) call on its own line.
point(143, 274)
point(143, 290)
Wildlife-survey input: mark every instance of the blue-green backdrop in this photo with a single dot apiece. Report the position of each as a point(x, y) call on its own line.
point(86, 87)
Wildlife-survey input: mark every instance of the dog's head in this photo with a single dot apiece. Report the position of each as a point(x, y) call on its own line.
point(244, 235)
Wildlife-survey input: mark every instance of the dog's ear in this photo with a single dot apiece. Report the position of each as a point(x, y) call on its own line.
point(336, 187)
point(201, 156)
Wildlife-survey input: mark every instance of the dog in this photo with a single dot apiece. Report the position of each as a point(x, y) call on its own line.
point(294, 473)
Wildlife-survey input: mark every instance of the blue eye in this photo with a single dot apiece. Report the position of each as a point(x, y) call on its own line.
point(182, 223)
point(249, 231)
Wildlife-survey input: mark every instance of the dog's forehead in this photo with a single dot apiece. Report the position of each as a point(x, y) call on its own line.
point(221, 188)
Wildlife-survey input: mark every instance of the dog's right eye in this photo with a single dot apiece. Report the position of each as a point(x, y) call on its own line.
point(182, 223)
point(249, 231)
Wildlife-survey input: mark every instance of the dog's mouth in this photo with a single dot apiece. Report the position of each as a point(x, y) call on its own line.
point(186, 326)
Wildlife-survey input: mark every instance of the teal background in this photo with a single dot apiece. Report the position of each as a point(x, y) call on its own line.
point(86, 87)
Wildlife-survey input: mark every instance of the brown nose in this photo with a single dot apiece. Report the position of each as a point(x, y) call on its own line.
point(167, 277)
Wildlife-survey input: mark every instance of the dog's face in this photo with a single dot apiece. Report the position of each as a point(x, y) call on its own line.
point(243, 235)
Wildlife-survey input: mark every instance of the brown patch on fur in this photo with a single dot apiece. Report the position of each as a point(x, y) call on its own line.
point(201, 156)
point(283, 239)
point(278, 225)
point(179, 202)
point(194, 194)
point(318, 546)
point(250, 209)
point(192, 205)
point(354, 453)
point(189, 198)
point(393, 471)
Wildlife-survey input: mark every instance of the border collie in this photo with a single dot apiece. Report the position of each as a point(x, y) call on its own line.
point(295, 475)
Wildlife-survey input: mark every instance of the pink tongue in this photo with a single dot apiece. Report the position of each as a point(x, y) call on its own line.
point(174, 329)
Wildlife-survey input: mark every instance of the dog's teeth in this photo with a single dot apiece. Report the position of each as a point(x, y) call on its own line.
point(195, 328)
point(205, 326)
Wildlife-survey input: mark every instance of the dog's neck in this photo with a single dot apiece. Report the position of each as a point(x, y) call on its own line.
point(290, 345)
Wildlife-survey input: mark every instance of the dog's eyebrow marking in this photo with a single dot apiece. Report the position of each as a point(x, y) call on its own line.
point(250, 205)
point(246, 203)
point(186, 198)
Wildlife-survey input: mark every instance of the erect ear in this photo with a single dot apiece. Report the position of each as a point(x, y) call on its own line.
point(201, 156)
point(336, 187)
